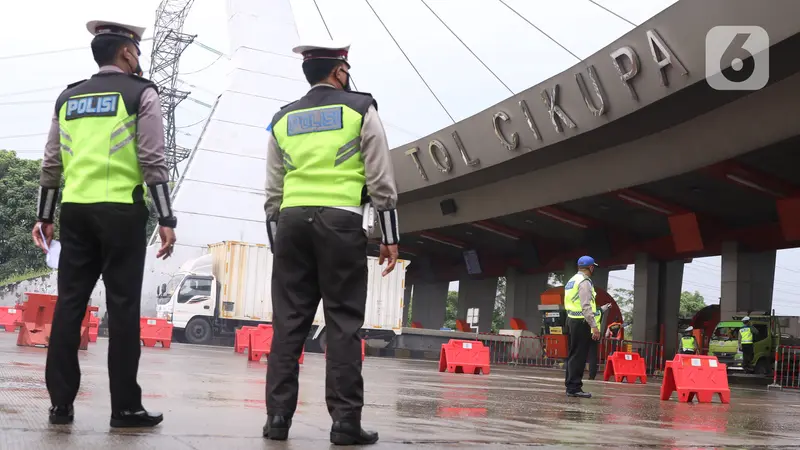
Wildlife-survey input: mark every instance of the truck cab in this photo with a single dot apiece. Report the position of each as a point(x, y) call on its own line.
point(189, 300)
point(724, 343)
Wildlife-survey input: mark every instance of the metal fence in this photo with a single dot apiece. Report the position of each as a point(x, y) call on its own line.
point(551, 351)
point(786, 367)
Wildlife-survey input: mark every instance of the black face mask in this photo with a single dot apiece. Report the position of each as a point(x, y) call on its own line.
point(346, 85)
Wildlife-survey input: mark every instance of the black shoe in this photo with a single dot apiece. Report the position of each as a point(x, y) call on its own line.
point(62, 415)
point(277, 428)
point(579, 394)
point(135, 419)
point(349, 433)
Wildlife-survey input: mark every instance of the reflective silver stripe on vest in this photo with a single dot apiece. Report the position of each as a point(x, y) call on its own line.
point(64, 134)
point(347, 151)
point(126, 126)
point(287, 162)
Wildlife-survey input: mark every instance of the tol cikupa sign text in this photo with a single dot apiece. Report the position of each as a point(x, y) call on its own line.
point(626, 63)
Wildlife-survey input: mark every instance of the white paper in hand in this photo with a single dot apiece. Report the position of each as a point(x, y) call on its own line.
point(53, 254)
point(53, 251)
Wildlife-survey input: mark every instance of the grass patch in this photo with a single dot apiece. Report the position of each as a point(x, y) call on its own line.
point(25, 276)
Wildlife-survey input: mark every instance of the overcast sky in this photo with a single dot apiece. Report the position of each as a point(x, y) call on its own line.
point(517, 53)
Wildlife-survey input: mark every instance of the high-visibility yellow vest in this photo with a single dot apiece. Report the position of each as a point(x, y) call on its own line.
point(320, 136)
point(97, 125)
point(687, 343)
point(572, 302)
point(746, 334)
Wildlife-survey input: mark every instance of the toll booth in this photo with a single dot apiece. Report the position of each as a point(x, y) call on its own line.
point(554, 320)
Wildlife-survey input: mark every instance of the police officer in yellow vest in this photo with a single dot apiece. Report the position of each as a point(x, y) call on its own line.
point(582, 324)
point(746, 339)
point(107, 140)
point(327, 158)
point(688, 342)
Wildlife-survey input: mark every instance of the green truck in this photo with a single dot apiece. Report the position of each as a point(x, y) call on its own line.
point(724, 343)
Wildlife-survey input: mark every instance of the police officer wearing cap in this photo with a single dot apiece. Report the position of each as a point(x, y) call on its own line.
point(688, 342)
point(327, 158)
point(582, 324)
point(107, 141)
point(746, 339)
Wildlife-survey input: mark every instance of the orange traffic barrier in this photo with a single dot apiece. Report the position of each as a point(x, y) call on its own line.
point(10, 316)
point(459, 356)
point(94, 327)
point(36, 320)
point(86, 327)
point(363, 350)
point(628, 366)
point(241, 339)
point(155, 330)
point(260, 342)
point(698, 376)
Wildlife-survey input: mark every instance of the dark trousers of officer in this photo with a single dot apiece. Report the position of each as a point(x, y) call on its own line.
point(580, 341)
point(593, 360)
point(747, 356)
point(107, 239)
point(318, 252)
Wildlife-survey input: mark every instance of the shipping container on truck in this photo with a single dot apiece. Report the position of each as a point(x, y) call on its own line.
point(230, 286)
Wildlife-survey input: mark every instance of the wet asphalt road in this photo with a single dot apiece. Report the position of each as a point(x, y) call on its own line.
point(214, 399)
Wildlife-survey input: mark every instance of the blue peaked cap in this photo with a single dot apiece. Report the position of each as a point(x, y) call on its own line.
point(585, 261)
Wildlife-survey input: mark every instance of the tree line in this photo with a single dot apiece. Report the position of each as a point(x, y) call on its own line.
point(19, 190)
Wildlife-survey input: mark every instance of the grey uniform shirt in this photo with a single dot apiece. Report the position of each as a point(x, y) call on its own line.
point(585, 295)
point(374, 152)
point(149, 142)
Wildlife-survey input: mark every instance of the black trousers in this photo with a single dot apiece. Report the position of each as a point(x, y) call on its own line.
point(593, 360)
point(747, 356)
point(107, 239)
point(318, 252)
point(580, 341)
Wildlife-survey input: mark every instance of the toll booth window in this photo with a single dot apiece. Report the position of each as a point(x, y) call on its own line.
point(193, 287)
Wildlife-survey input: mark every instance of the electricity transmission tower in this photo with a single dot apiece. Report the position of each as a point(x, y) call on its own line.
point(169, 42)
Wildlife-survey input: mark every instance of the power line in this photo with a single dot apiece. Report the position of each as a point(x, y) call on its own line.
point(466, 46)
point(611, 12)
point(32, 91)
point(50, 52)
point(204, 68)
point(25, 102)
point(540, 30)
point(19, 136)
point(194, 124)
point(409, 61)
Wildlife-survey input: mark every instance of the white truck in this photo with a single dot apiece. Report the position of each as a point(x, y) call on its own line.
point(230, 286)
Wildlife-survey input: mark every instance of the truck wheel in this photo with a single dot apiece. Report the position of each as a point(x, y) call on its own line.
point(762, 367)
point(198, 331)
